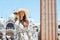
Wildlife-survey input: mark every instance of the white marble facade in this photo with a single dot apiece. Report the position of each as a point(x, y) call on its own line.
point(6, 27)
point(9, 27)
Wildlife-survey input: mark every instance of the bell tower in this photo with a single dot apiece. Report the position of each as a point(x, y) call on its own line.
point(48, 20)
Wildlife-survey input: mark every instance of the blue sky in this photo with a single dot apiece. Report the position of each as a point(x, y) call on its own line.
point(58, 10)
point(7, 7)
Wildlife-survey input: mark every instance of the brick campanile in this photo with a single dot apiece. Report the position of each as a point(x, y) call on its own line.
point(48, 20)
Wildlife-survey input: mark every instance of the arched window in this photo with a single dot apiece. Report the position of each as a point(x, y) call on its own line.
point(59, 26)
point(10, 26)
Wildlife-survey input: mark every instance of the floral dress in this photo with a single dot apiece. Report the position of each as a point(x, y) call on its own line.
point(22, 33)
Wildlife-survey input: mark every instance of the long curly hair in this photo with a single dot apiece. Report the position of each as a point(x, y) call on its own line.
point(15, 13)
point(24, 17)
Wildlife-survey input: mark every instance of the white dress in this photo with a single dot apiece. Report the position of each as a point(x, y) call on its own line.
point(21, 29)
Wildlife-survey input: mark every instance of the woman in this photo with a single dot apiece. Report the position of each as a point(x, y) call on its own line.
point(23, 23)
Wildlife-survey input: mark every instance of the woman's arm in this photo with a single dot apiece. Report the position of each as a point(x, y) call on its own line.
point(26, 23)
